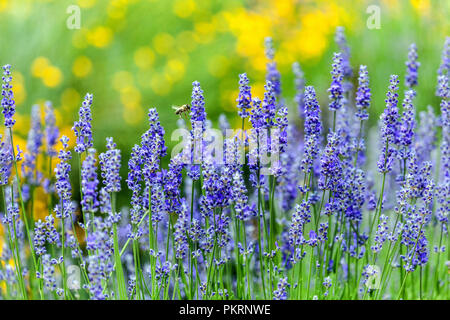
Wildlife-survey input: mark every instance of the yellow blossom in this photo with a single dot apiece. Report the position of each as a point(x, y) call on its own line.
point(52, 76)
point(100, 37)
point(38, 66)
point(82, 66)
point(86, 3)
point(184, 8)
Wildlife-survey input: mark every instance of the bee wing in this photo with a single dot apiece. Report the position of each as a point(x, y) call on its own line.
point(174, 107)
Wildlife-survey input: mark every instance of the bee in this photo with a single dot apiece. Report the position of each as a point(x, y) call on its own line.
point(180, 110)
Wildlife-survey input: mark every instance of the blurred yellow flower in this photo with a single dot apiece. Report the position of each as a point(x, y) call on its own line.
point(174, 70)
point(100, 37)
point(52, 76)
point(421, 6)
point(82, 66)
point(68, 132)
point(4, 5)
point(205, 31)
point(184, 8)
point(38, 66)
point(163, 43)
point(40, 210)
point(144, 57)
point(86, 3)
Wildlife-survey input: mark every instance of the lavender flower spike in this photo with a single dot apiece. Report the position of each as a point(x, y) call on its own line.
point(51, 130)
point(336, 91)
point(412, 67)
point(345, 49)
point(245, 96)
point(82, 128)
point(89, 182)
point(389, 125)
point(34, 143)
point(363, 94)
point(299, 87)
point(62, 185)
point(110, 166)
point(8, 103)
point(273, 75)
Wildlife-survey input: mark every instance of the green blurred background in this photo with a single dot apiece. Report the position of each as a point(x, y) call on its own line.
point(134, 54)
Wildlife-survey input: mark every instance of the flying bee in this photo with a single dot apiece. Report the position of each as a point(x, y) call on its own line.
point(181, 110)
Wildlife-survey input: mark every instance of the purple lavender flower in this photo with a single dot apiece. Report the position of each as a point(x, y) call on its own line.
point(256, 136)
point(110, 166)
point(45, 232)
point(269, 104)
point(389, 125)
point(327, 283)
point(197, 103)
point(82, 128)
point(198, 124)
point(406, 126)
point(352, 194)
point(100, 264)
point(444, 93)
point(224, 124)
point(217, 188)
point(444, 68)
point(51, 130)
point(104, 201)
point(363, 94)
point(89, 182)
point(34, 144)
point(412, 67)
point(62, 185)
point(134, 180)
point(313, 239)
point(345, 49)
point(273, 75)
point(282, 125)
point(425, 141)
point(8, 103)
point(380, 234)
point(330, 164)
point(313, 129)
point(239, 196)
point(299, 88)
point(281, 292)
point(6, 159)
point(245, 96)
point(48, 275)
point(300, 218)
point(180, 232)
point(172, 184)
point(336, 91)
point(313, 125)
point(257, 115)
